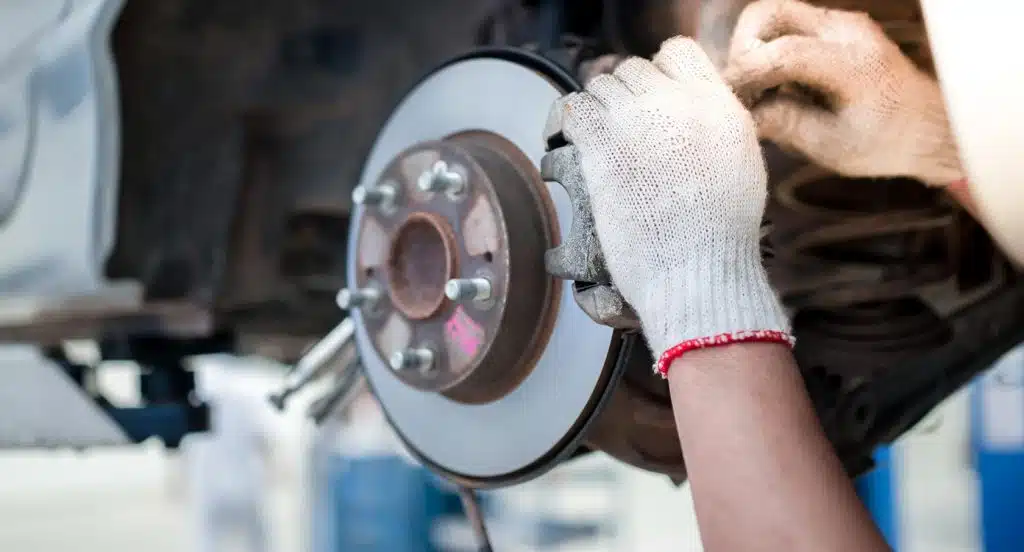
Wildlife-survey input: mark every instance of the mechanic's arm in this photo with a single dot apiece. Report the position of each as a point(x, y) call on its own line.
point(763, 475)
point(870, 111)
point(678, 188)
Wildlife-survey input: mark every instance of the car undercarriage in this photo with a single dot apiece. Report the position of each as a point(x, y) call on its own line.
point(245, 128)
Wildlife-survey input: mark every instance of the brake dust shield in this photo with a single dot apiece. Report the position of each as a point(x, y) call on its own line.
point(503, 379)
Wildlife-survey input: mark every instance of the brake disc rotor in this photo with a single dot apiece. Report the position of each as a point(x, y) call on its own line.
point(485, 366)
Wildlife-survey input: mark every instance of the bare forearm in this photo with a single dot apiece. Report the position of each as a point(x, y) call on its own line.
point(763, 474)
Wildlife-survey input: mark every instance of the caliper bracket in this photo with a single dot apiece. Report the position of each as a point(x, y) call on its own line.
point(579, 257)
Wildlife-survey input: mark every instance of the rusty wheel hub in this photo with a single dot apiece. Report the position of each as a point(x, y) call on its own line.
point(459, 250)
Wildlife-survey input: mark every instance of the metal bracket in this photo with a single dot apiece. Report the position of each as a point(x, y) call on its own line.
point(579, 257)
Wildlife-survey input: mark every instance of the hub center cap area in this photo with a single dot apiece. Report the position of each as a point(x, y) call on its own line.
point(422, 261)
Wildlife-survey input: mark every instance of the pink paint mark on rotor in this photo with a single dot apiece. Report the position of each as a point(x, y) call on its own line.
point(464, 332)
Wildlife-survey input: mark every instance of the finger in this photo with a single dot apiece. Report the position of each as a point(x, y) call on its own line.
point(809, 130)
point(765, 20)
point(587, 124)
point(789, 60)
point(599, 66)
point(641, 76)
point(609, 90)
point(553, 125)
point(856, 24)
point(583, 117)
point(683, 60)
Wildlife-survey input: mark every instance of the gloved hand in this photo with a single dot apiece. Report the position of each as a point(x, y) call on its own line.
point(883, 116)
point(677, 187)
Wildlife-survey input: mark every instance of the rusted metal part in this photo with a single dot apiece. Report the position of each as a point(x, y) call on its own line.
point(496, 230)
point(579, 257)
point(841, 242)
point(605, 306)
point(422, 259)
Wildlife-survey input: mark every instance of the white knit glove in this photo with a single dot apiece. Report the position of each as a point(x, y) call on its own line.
point(677, 188)
point(880, 116)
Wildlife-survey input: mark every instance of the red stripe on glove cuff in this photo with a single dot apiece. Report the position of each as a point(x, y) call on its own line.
point(753, 336)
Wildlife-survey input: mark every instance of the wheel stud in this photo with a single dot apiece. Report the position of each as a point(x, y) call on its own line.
point(420, 358)
point(358, 298)
point(381, 195)
point(462, 289)
point(441, 178)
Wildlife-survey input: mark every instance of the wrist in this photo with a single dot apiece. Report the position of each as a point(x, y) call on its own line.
point(674, 354)
point(719, 297)
point(731, 367)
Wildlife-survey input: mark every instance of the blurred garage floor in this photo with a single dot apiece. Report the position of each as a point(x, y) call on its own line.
point(124, 500)
point(107, 501)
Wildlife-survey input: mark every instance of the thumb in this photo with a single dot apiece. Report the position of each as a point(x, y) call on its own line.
point(790, 59)
point(799, 126)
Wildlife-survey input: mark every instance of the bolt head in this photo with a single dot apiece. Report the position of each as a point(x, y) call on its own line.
point(397, 361)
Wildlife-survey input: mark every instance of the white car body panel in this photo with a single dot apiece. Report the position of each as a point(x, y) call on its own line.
point(59, 148)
